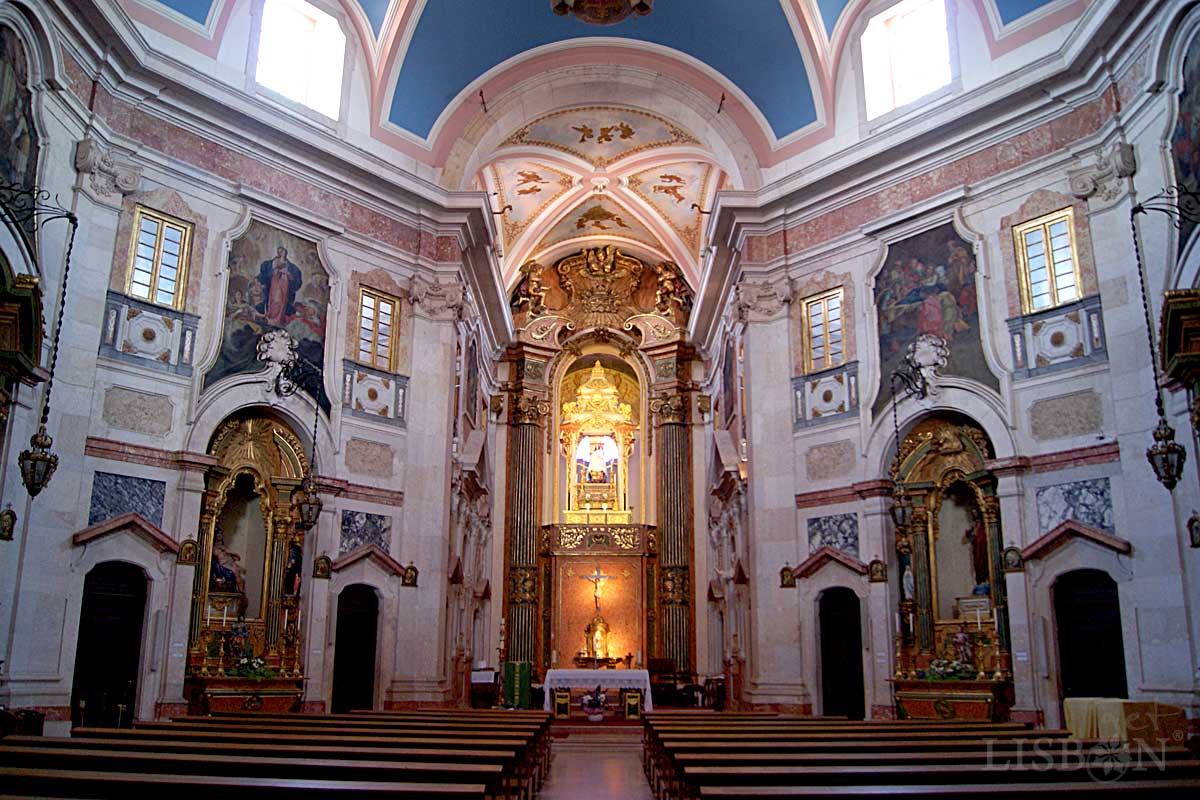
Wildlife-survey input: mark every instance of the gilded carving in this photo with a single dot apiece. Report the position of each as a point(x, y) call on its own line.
point(189, 553)
point(673, 586)
point(670, 409)
point(522, 585)
point(528, 410)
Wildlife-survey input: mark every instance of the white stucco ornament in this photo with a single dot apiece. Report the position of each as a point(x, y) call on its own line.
point(927, 356)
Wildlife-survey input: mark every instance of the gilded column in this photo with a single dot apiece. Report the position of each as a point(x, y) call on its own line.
point(523, 526)
point(674, 609)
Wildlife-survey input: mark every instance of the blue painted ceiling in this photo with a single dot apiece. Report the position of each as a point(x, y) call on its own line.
point(1011, 10)
point(376, 11)
point(456, 41)
point(192, 9)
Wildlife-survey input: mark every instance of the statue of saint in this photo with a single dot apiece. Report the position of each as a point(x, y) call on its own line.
point(962, 646)
point(976, 536)
point(597, 471)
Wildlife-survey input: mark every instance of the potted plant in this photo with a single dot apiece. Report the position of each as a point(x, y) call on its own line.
point(593, 703)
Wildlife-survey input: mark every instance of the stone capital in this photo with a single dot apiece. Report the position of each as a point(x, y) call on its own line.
point(105, 175)
point(759, 301)
point(437, 301)
point(1102, 180)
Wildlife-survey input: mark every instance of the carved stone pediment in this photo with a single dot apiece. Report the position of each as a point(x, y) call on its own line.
point(824, 558)
point(372, 554)
point(1069, 531)
point(132, 523)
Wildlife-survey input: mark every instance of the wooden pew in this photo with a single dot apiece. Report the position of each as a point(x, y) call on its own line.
point(1083, 790)
point(26, 782)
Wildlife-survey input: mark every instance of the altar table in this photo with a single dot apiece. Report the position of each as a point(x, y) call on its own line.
point(1125, 720)
point(591, 678)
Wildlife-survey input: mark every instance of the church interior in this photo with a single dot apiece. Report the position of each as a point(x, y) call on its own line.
point(419, 375)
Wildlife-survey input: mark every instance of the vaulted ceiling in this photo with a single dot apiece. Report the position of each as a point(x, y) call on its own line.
point(619, 132)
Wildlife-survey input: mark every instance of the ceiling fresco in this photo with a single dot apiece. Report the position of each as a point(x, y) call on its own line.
point(600, 135)
point(678, 192)
point(529, 187)
point(599, 216)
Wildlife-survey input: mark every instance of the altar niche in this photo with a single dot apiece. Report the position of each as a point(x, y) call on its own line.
point(246, 613)
point(596, 556)
point(952, 611)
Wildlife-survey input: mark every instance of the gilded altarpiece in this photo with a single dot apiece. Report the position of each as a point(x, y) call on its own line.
point(952, 646)
point(243, 640)
point(597, 476)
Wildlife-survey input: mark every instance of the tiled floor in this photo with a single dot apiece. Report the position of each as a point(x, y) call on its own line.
point(600, 764)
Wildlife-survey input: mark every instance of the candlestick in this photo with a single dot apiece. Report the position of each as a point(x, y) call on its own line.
point(224, 615)
point(553, 657)
point(285, 618)
point(898, 622)
point(207, 615)
point(996, 618)
point(978, 624)
point(299, 614)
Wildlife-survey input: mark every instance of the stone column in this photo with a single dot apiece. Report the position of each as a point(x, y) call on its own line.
point(523, 527)
point(674, 608)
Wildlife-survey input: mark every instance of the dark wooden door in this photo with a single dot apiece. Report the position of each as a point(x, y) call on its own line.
point(841, 654)
point(1091, 651)
point(354, 650)
point(104, 689)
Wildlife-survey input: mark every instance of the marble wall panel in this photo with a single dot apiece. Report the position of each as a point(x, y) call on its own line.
point(361, 528)
point(114, 495)
point(1089, 502)
point(839, 531)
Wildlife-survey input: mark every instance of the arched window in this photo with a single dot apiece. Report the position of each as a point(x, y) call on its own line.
point(301, 53)
point(905, 55)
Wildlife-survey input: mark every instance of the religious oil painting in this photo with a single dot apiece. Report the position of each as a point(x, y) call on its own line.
point(471, 382)
point(927, 286)
point(1185, 138)
point(276, 282)
point(19, 147)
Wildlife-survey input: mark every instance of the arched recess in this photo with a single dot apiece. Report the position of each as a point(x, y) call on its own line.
point(1087, 622)
point(355, 649)
point(248, 536)
point(839, 621)
point(109, 652)
point(950, 573)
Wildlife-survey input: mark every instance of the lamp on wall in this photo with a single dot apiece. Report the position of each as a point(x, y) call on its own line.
point(914, 382)
point(295, 372)
point(1179, 205)
point(25, 207)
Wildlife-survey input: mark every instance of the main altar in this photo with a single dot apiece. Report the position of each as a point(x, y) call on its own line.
point(591, 678)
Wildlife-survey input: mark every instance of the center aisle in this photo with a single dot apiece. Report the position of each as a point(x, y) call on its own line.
point(597, 763)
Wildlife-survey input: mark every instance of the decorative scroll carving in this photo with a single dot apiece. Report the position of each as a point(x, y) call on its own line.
point(106, 175)
point(523, 585)
point(440, 301)
point(1103, 179)
point(670, 409)
point(758, 301)
point(528, 410)
point(601, 287)
point(673, 586)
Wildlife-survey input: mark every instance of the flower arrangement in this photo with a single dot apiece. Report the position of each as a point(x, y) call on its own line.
point(593, 703)
point(943, 669)
point(251, 666)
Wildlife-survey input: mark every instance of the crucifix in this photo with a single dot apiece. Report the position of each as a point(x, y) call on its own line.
point(595, 578)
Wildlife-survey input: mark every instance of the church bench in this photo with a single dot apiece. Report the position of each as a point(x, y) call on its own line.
point(490, 776)
point(531, 764)
point(923, 775)
point(1123, 788)
point(1070, 748)
point(29, 782)
point(536, 733)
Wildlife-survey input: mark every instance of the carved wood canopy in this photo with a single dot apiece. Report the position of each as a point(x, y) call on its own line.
point(602, 287)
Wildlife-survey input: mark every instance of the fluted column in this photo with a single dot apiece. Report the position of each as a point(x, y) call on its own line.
point(673, 609)
point(523, 527)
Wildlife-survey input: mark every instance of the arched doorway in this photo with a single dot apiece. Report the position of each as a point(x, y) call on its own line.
point(354, 650)
point(104, 691)
point(1091, 652)
point(841, 653)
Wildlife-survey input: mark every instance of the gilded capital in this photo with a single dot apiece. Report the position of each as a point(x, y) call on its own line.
point(670, 409)
point(528, 410)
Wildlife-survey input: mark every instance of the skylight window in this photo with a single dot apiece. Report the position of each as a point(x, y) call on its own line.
point(301, 51)
point(906, 54)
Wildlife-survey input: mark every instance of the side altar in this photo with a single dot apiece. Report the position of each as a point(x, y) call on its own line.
point(245, 637)
point(952, 639)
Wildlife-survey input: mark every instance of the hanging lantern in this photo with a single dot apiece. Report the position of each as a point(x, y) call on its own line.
point(901, 509)
point(1166, 456)
point(37, 463)
point(306, 503)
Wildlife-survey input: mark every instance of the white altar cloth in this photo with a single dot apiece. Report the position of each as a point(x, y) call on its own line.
point(590, 678)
